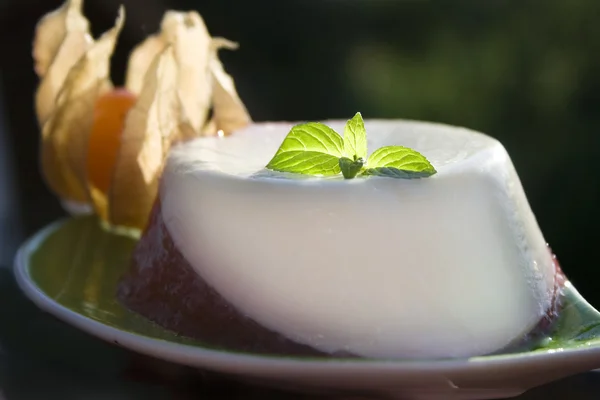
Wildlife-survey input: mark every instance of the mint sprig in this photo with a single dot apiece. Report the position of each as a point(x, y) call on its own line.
point(316, 149)
point(355, 138)
point(351, 168)
point(311, 149)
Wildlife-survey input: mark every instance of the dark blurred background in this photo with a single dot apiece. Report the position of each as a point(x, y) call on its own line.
point(525, 72)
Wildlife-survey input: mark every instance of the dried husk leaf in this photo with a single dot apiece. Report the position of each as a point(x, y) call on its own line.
point(150, 127)
point(140, 60)
point(185, 130)
point(52, 29)
point(66, 133)
point(61, 38)
point(210, 129)
point(200, 73)
point(191, 42)
point(229, 112)
point(177, 76)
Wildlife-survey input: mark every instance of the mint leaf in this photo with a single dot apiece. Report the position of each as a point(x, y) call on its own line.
point(350, 168)
point(312, 148)
point(399, 162)
point(355, 138)
point(390, 172)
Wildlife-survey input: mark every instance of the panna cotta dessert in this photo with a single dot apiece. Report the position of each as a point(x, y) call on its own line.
point(396, 239)
point(248, 258)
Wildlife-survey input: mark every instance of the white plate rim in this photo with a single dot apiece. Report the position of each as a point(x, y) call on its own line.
point(241, 364)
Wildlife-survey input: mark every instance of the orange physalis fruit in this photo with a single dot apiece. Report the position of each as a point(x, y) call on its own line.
point(105, 138)
point(103, 149)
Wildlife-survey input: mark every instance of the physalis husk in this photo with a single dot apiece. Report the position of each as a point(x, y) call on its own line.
point(106, 147)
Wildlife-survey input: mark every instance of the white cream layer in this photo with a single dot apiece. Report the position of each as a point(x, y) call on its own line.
point(449, 266)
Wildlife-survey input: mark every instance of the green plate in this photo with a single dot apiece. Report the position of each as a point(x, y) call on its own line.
point(71, 269)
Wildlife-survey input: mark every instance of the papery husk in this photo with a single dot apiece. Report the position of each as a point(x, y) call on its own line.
point(229, 112)
point(202, 81)
point(177, 77)
point(66, 133)
point(61, 38)
point(191, 43)
point(185, 130)
point(150, 128)
point(140, 60)
point(52, 29)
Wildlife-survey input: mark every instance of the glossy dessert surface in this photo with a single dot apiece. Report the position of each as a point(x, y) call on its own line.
point(336, 265)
